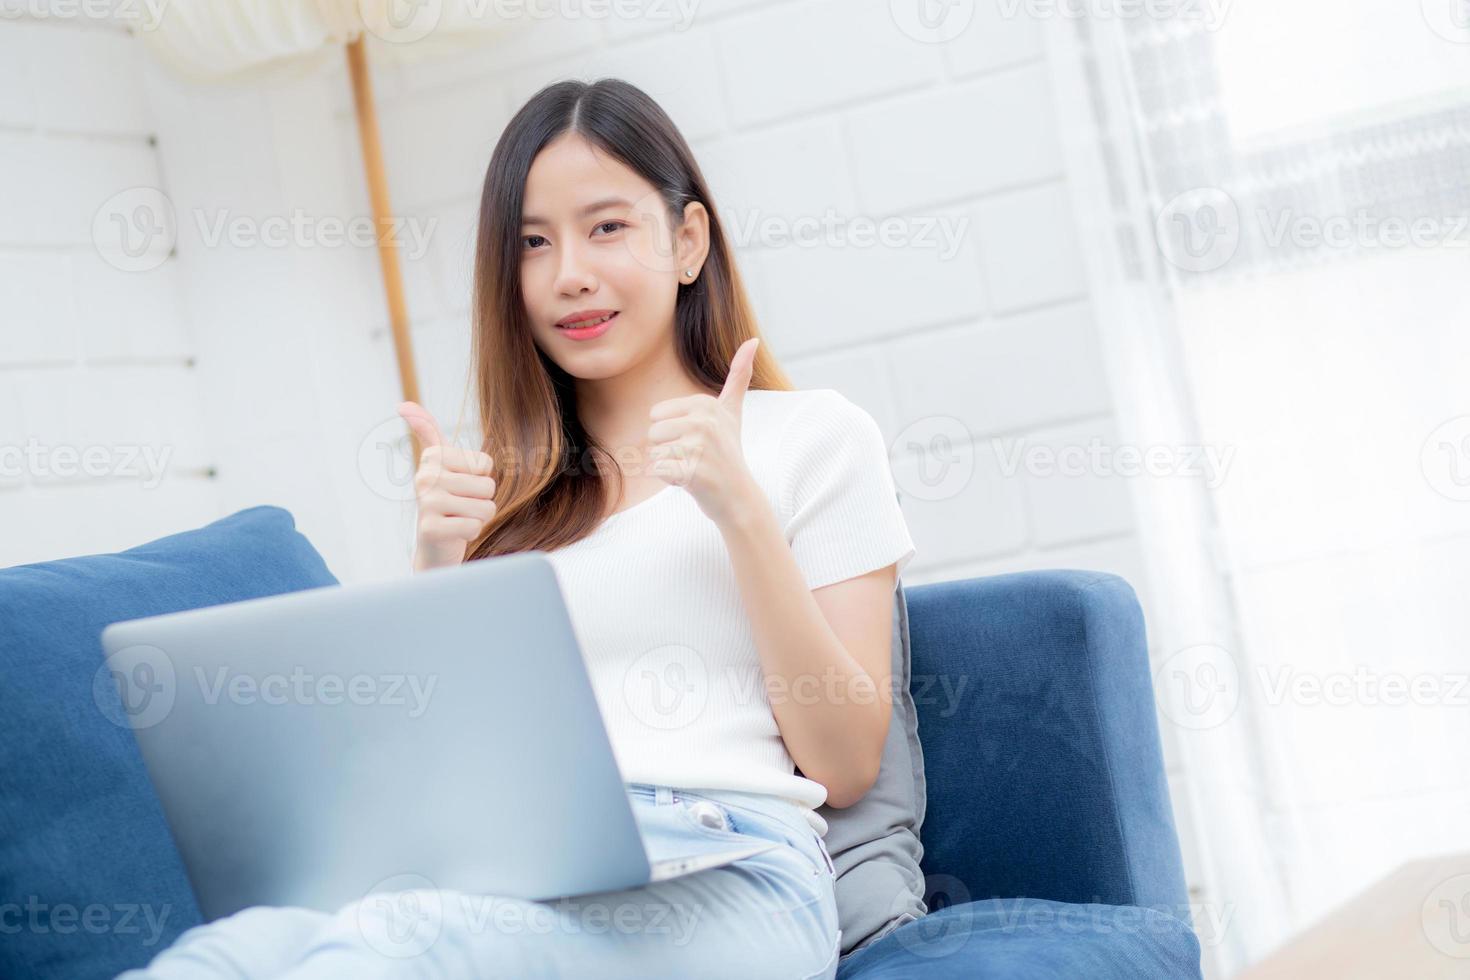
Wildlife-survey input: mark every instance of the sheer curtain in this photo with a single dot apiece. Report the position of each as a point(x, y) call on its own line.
point(1276, 209)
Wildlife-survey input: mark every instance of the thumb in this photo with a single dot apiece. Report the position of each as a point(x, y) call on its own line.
point(742, 366)
point(422, 424)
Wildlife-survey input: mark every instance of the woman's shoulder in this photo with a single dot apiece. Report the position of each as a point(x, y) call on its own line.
point(782, 405)
point(803, 424)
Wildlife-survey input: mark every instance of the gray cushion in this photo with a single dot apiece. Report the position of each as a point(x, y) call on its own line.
point(874, 843)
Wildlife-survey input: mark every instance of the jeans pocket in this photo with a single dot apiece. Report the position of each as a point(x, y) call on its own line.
point(709, 817)
point(826, 855)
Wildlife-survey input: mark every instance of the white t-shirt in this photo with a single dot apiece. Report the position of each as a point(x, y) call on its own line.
point(658, 613)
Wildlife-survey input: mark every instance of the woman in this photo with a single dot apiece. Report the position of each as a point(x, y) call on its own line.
point(728, 548)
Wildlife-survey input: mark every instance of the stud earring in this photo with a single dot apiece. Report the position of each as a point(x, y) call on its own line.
point(689, 273)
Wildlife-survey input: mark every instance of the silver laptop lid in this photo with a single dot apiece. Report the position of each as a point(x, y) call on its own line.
point(441, 729)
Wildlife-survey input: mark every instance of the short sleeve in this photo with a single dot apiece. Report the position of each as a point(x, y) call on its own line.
point(839, 504)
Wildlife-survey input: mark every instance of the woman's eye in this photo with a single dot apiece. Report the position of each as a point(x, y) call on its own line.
point(528, 238)
point(614, 224)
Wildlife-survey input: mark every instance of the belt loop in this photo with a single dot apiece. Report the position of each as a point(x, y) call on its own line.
point(663, 795)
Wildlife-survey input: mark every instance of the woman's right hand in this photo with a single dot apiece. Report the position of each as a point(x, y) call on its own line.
point(455, 491)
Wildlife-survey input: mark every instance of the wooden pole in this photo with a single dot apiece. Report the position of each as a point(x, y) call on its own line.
point(377, 180)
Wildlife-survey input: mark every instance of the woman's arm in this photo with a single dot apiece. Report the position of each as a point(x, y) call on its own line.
point(825, 654)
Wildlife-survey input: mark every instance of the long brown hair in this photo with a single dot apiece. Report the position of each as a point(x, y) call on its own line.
point(550, 484)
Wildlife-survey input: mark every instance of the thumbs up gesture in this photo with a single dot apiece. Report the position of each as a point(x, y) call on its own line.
point(694, 442)
point(455, 491)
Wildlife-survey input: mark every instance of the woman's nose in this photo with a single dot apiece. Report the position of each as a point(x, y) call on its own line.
point(573, 274)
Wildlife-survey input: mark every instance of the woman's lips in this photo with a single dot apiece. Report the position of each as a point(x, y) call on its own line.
point(588, 333)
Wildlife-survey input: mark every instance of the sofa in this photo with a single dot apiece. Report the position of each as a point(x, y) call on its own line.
point(1049, 848)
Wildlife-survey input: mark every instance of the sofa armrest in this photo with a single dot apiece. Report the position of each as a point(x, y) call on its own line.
point(1041, 746)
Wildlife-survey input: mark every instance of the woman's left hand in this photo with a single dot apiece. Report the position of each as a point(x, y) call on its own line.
point(694, 442)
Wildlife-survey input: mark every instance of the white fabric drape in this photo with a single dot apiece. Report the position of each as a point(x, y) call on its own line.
point(245, 39)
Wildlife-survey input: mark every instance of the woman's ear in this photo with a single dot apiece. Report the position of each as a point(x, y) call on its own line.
point(692, 241)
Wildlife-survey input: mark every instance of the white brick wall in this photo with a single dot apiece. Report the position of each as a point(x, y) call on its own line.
point(96, 371)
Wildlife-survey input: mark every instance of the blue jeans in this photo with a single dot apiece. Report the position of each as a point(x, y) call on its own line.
point(773, 914)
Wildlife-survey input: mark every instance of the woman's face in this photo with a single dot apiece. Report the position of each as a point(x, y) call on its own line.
point(595, 238)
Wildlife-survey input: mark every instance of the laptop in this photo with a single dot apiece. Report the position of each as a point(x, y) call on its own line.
point(312, 748)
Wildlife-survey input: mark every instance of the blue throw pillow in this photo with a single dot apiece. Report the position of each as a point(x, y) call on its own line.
point(90, 881)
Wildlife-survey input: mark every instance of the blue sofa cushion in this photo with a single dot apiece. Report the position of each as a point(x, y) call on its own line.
point(89, 875)
point(1041, 744)
point(1031, 939)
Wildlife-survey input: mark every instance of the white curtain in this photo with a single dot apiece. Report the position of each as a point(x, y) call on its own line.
point(1276, 210)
